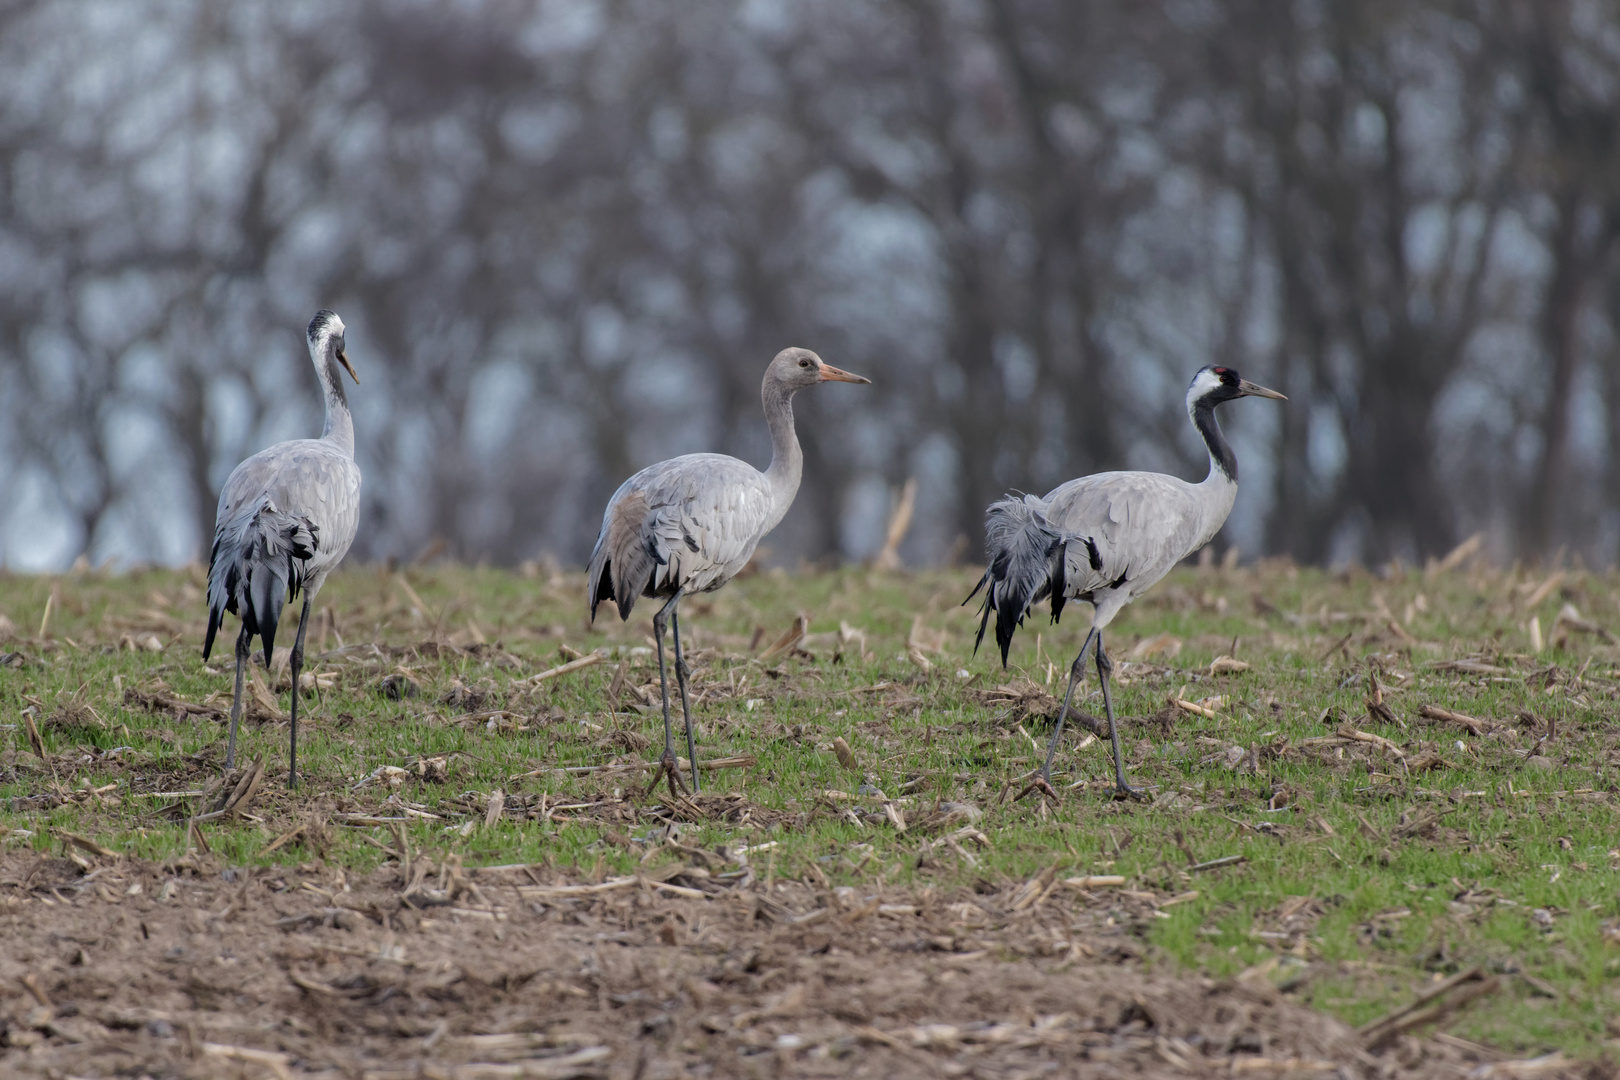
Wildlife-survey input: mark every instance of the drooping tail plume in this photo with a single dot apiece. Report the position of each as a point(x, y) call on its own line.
point(259, 561)
point(626, 554)
point(1026, 565)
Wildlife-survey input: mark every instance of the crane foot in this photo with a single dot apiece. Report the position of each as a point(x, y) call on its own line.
point(1041, 784)
point(668, 767)
point(1126, 792)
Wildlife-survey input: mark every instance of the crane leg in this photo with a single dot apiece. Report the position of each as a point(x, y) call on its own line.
point(682, 674)
point(1077, 671)
point(243, 648)
point(297, 659)
point(1105, 666)
point(668, 765)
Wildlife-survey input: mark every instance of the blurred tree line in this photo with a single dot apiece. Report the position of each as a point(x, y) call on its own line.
point(567, 236)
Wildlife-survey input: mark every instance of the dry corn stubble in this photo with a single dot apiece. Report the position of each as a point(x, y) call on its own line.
point(1488, 826)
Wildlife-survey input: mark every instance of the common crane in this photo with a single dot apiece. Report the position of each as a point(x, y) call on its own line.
point(1107, 539)
point(287, 516)
point(689, 524)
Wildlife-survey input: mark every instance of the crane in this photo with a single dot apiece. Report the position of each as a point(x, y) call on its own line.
point(689, 524)
point(287, 516)
point(1106, 539)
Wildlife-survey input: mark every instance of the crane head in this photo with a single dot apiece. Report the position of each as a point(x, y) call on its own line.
point(326, 332)
point(1213, 385)
point(797, 368)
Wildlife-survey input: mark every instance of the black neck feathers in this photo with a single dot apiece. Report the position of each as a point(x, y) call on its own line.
point(1220, 451)
point(334, 379)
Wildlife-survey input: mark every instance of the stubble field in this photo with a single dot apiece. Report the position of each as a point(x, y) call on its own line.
point(1382, 836)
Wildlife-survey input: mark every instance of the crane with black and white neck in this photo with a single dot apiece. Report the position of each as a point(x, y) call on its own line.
point(1106, 539)
point(286, 517)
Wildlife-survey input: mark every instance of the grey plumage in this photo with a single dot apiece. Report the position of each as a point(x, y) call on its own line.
point(258, 560)
point(1106, 539)
point(286, 517)
point(691, 523)
point(1024, 562)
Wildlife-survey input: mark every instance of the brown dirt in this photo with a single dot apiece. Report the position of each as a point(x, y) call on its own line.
point(195, 970)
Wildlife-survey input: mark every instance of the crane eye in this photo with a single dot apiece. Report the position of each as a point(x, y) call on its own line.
point(804, 363)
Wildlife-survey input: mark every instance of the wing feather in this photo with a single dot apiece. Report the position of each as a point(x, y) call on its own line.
point(286, 516)
point(692, 521)
point(1138, 524)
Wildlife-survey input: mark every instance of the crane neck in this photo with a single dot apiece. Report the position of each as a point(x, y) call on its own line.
point(339, 426)
point(787, 459)
point(1218, 492)
point(1222, 462)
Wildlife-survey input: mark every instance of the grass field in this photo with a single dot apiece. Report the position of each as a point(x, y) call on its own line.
point(1369, 850)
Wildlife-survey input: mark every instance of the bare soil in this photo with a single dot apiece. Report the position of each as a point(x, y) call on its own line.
point(122, 968)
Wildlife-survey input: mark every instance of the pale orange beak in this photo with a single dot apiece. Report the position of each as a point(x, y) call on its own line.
point(343, 358)
point(832, 374)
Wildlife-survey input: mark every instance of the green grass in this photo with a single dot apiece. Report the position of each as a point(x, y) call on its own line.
point(1369, 872)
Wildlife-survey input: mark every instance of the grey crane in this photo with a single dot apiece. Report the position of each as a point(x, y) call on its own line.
point(287, 516)
point(689, 524)
point(1107, 539)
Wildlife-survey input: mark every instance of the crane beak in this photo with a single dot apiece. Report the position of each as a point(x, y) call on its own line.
point(1255, 390)
point(832, 374)
point(343, 358)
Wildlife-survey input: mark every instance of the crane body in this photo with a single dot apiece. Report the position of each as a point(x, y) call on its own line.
point(691, 523)
point(1106, 539)
point(287, 516)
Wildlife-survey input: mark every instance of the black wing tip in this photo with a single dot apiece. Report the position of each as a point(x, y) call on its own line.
point(624, 612)
point(594, 591)
point(603, 589)
point(984, 620)
point(213, 628)
point(1004, 637)
point(976, 588)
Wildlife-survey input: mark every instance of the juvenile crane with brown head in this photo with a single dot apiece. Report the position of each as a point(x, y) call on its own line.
point(691, 523)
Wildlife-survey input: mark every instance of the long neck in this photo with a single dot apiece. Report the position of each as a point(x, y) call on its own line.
point(1222, 462)
point(787, 460)
point(339, 427)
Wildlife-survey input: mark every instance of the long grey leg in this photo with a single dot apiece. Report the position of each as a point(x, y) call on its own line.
point(668, 763)
point(682, 673)
point(1104, 667)
point(297, 668)
point(243, 648)
point(1077, 671)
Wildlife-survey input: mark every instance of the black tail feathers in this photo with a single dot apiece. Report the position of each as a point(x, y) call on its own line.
point(622, 572)
point(1026, 565)
point(259, 562)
